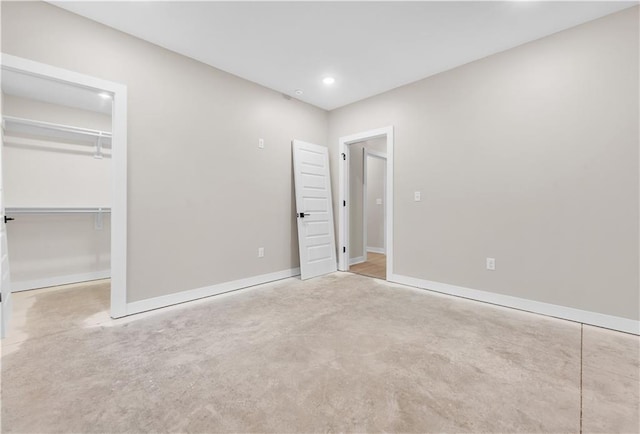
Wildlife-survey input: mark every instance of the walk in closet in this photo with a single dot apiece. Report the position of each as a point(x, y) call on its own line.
point(56, 177)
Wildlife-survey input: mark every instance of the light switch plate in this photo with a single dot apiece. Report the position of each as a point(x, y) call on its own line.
point(378, 201)
point(261, 143)
point(417, 196)
point(260, 252)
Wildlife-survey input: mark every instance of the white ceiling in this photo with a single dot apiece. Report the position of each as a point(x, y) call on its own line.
point(369, 47)
point(53, 92)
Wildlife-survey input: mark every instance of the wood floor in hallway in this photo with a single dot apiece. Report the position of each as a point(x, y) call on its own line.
point(374, 266)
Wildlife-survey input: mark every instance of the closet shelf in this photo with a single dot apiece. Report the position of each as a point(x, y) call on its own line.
point(31, 126)
point(55, 210)
point(96, 138)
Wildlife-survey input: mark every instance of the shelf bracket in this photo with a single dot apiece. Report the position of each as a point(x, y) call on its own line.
point(99, 221)
point(98, 155)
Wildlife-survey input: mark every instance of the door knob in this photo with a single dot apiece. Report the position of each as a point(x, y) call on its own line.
point(8, 219)
point(302, 214)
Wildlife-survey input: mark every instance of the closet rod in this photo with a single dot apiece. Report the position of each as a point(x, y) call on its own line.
point(56, 210)
point(54, 127)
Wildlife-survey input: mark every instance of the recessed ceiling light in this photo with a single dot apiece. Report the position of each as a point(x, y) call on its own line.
point(328, 80)
point(105, 95)
point(298, 91)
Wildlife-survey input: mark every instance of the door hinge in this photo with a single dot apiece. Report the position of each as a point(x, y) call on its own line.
point(344, 203)
point(344, 156)
point(344, 250)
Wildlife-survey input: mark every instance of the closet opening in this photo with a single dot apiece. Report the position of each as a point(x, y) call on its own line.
point(56, 179)
point(366, 203)
point(59, 189)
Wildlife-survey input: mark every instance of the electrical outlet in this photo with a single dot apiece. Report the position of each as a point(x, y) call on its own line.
point(260, 252)
point(261, 143)
point(417, 196)
point(491, 263)
point(378, 201)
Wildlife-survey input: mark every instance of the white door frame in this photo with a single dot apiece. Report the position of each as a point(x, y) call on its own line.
point(343, 220)
point(382, 156)
point(118, 163)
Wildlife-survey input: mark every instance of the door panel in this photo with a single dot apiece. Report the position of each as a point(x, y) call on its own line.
point(314, 210)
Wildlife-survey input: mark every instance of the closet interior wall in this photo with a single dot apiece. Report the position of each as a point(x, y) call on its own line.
point(47, 172)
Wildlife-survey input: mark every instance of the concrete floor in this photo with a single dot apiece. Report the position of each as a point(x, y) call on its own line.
point(338, 353)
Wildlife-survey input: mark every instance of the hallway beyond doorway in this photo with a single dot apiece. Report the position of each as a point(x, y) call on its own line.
point(374, 266)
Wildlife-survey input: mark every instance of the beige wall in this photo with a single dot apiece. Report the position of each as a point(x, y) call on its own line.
point(375, 179)
point(529, 156)
point(356, 180)
point(202, 197)
point(43, 247)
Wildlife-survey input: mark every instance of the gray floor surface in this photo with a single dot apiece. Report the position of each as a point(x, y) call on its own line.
point(337, 353)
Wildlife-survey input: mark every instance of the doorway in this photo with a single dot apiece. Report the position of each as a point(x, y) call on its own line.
point(366, 199)
point(371, 226)
point(64, 183)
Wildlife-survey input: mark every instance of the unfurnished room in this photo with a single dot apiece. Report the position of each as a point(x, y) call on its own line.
point(320, 216)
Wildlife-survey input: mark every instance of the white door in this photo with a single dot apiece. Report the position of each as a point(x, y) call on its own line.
point(5, 290)
point(314, 210)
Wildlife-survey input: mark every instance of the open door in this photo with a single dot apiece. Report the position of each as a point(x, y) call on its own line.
point(314, 209)
point(5, 290)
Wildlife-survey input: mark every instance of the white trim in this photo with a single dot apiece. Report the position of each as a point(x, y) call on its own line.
point(59, 280)
point(343, 214)
point(358, 260)
point(363, 224)
point(375, 250)
point(118, 163)
point(563, 312)
point(207, 291)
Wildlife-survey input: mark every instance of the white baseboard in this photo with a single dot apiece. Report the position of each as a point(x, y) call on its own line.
point(358, 260)
point(207, 291)
point(59, 280)
point(568, 313)
point(376, 250)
